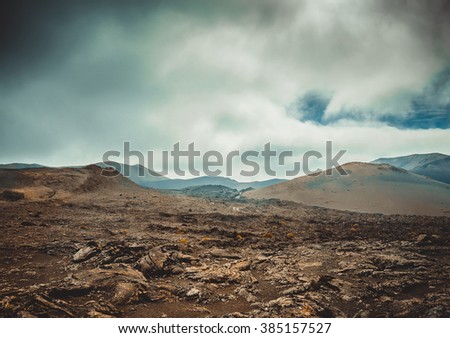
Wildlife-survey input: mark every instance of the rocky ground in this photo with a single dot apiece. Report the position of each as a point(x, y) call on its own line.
point(128, 252)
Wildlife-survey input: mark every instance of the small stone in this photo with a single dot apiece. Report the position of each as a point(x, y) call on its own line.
point(153, 263)
point(12, 196)
point(194, 292)
point(84, 254)
point(293, 290)
point(422, 239)
point(242, 266)
point(246, 295)
point(281, 302)
point(28, 224)
point(124, 292)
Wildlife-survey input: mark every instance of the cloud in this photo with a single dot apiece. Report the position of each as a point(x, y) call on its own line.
point(429, 108)
point(80, 78)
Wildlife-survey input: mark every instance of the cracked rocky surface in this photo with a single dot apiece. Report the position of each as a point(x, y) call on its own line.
point(126, 252)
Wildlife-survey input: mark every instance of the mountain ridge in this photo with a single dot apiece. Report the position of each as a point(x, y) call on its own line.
point(433, 165)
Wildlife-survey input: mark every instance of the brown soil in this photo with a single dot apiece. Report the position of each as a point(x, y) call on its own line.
point(100, 246)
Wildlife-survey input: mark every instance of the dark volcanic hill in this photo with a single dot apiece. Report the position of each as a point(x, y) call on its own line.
point(176, 184)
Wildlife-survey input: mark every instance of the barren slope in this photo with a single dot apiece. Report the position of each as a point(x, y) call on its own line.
point(368, 188)
point(43, 183)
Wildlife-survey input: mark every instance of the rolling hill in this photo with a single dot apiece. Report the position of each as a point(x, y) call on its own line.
point(43, 183)
point(372, 188)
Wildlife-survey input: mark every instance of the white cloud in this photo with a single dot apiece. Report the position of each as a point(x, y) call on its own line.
point(225, 80)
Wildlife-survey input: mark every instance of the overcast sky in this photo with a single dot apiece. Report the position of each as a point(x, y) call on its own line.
point(78, 78)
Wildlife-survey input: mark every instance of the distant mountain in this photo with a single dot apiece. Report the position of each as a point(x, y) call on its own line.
point(410, 162)
point(438, 170)
point(434, 165)
point(176, 184)
point(149, 179)
point(21, 166)
point(374, 188)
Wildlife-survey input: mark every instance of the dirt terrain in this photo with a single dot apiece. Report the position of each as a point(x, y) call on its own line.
point(76, 244)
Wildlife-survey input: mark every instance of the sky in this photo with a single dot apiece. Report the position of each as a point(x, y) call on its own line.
point(79, 78)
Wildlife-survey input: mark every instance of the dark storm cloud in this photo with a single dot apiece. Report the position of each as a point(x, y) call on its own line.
point(50, 102)
point(430, 19)
point(34, 31)
point(37, 35)
point(79, 77)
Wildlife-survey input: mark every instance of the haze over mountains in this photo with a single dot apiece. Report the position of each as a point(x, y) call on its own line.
point(149, 179)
